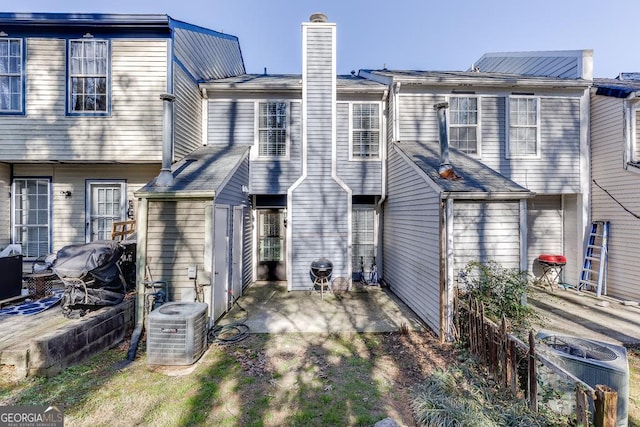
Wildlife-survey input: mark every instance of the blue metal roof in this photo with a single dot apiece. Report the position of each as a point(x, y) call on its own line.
point(203, 53)
point(75, 19)
point(617, 88)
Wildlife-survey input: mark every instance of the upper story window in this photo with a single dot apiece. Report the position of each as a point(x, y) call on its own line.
point(272, 135)
point(365, 130)
point(464, 124)
point(88, 76)
point(632, 151)
point(523, 139)
point(11, 77)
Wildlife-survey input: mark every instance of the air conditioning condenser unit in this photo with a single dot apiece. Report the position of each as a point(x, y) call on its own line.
point(594, 362)
point(177, 333)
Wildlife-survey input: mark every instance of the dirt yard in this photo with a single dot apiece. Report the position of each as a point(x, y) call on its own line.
point(266, 379)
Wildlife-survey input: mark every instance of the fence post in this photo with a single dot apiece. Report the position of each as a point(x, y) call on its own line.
point(506, 362)
point(605, 406)
point(513, 366)
point(472, 325)
point(582, 407)
point(483, 335)
point(533, 377)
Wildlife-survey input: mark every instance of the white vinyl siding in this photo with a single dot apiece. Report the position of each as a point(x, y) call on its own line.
point(318, 206)
point(486, 231)
point(187, 109)
point(231, 122)
point(365, 130)
point(464, 120)
point(607, 136)
point(523, 137)
point(11, 76)
point(418, 120)
point(557, 170)
point(133, 131)
point(411, 241)
point(32, 215)
point(544, 229)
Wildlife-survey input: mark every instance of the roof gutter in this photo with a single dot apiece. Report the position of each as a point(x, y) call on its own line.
point(487, 195)
point(383, 184)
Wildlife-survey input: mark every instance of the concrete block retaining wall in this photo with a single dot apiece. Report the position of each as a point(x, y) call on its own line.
point(73, 343)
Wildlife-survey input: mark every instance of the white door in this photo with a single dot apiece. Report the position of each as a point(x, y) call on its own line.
point(236, 274)
point(220, 260)
point(105, 205)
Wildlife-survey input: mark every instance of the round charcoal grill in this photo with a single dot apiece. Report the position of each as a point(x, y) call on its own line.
point(320, 271)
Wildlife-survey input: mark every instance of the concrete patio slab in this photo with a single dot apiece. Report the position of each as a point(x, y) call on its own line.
point(270, 308)
point(584, 315)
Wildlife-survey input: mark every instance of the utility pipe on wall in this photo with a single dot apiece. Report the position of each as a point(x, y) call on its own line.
point(165, 178)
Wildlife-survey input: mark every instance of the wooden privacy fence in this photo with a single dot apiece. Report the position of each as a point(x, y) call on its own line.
point(514, 365)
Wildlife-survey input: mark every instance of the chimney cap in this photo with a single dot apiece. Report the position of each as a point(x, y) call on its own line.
point(318, 17)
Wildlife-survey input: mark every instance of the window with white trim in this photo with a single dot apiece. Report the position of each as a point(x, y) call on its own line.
point(88, 69)
point(365, 130)
point(633, 156)
point(363, 240)
point(523, 139)
point(272, 129)
point(463, 123)
point(31, 215)
point(106, 203)
point(11, 77)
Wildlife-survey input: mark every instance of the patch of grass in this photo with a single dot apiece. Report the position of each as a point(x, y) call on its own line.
point(265, 380)
point(459, 396)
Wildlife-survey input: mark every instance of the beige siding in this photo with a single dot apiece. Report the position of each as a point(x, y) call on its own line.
point(607, 137)
point(69, 215)
point(133, 131)
point(5, 203)
point(188, 115)
point(175, 240)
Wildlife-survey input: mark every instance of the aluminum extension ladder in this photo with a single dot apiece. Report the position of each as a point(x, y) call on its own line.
point(596, 256)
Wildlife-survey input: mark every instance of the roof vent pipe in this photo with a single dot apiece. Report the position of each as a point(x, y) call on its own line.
point(166, 177)
point(318, 17)
point(445, 170)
